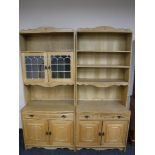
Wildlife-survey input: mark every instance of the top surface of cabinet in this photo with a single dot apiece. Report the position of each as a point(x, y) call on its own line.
point(104, 29)
point(46, 30)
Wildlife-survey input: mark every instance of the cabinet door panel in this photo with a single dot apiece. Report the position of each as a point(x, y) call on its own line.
point(35, 132)
point(33, 65)
point(88, 133)
point(61, 67)
point(114, 133)
point(61, 133)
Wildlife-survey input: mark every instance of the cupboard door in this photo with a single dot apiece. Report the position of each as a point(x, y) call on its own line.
point(35, 132)
point(34, 67)
point(61, 133)
point(88, 133)
point(115, 133)
point(61, 67)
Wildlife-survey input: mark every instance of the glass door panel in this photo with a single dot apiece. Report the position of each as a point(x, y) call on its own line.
point(34, 67)
point(61, 66)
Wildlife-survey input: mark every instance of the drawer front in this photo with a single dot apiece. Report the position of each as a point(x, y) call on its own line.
point(115, 116)
point(60, 116)
point(103, 116)
point(89, 116)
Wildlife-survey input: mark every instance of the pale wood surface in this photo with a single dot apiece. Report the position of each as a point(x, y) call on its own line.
point(103, 59)
point(101, 66)
point(101, 82)
point(115, 133)
point(104, 29)
point(96, 51)
point(61, 133)
point(35, 132)
point(88, 133)
point(102, 73)
point(45, 30)
point(48, 42)
point(87, 92)
point(50, 106)
point(62, 92)
point(101, 106)
point(103, 42)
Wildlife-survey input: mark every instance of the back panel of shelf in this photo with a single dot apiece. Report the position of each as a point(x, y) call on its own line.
point(106, 74)
point(103, 41)
point(47, 41)
point(92, 93)
point(104, 59)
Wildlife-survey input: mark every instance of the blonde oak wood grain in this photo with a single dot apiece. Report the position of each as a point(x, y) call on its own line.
point(104, 29)
point(104, 106)
point(88, 133)
point(76, 112)
point(114, 133)
point(48, 42)
point(101, 82)
point(45, 106)
point(61, 92)
point(103, 59)
point(101, 93)
point(103, 73)
point(103, 41)
point(46, 30)
point(61, 133)
point(35, 132)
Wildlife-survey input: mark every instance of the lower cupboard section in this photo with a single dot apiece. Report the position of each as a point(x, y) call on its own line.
point(88, 133)
point(58, 133)
point(102, 133)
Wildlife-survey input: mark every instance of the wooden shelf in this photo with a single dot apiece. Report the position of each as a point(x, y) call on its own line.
point(48, 106)
point(101, 66)
point(31, 51)
point(104, 51)
point(104, 106)
point(102, 82)
point(43, 84)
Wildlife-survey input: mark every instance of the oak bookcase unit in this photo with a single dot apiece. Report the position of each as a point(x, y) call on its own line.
point(102, 78)
point(48, 58)
point(76, 87)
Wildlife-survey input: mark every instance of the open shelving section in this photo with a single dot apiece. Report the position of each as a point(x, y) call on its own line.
point(103, 61)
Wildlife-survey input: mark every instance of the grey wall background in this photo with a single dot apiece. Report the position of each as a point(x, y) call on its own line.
point(75, 14)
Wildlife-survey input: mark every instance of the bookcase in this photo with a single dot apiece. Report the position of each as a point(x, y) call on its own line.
point(102, 79)
point(48, 58)
point(76, 87)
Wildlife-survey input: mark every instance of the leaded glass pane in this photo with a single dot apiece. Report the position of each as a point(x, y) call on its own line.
point(60, 66)
point(34, 67)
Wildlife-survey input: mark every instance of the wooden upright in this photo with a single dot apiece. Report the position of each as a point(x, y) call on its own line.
point(76, 87)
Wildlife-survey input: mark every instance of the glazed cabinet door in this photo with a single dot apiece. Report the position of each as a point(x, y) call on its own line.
point(114, 133)
point(61, 133)
point(36, 132)
point(88, 133)
point(34, 67)
point(61, 67)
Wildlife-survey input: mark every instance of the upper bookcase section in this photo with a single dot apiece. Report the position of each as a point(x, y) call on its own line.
point(47, 39)
point(103, 39)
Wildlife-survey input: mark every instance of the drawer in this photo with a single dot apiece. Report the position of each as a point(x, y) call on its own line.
point(63, 116)
point(115, 116)
point(30, 116)
point(87, 116)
